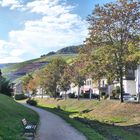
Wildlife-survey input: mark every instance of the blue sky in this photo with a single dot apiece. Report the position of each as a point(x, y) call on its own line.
point(30, 28)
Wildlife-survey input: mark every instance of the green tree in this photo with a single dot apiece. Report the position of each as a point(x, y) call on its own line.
point(5, 86)
point(53, 73)
point(25, 81)
point(64, 83)
point(115, 27)
point(76, 75)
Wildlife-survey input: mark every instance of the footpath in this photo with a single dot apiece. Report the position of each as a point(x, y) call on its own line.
point(52, 127)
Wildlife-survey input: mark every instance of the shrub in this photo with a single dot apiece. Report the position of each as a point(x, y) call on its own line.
point(71, 95)
point(103, 93)
point(116, 92)
point(20, 97)
point(31, 102)
point(95, 96)
point(86, 95)
point(106, 96)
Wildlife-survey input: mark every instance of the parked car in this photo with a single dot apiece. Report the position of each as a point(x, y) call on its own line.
point(128, 97)
point(135, 97)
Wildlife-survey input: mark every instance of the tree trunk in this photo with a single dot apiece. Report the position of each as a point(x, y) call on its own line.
point(90, 93)
point(121, 84)
point(78, 93)
point(42, 93)
point(65, 95)
point(99, 89)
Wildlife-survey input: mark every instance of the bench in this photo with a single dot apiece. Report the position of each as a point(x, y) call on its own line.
point(29, 128)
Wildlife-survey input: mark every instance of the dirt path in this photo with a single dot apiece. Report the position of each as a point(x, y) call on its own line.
point(52, 127)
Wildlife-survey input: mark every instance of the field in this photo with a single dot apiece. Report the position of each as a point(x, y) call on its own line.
point(11, 114)
point(110, 120)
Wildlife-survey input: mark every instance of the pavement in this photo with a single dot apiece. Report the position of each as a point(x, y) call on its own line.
point(52, 127)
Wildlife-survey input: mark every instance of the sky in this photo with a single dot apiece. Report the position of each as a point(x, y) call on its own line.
point(31, 28)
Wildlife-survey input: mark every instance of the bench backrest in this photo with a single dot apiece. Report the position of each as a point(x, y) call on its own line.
point(24, 122)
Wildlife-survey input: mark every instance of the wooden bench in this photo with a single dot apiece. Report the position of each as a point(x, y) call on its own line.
point(29, 128)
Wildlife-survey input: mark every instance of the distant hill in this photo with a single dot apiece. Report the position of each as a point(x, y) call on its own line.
point(69, 50)
point(17, 70)
point(2, 65)
point(66, 50)
point(5, 65)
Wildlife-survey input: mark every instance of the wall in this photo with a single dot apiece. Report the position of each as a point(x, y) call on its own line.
point(138, 79)
point(130, 86)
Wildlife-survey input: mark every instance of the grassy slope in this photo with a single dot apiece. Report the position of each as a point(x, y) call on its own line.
point(11, 114)
point(66, 57)
point(12, 68)
point(16, 66)
point(104, 120)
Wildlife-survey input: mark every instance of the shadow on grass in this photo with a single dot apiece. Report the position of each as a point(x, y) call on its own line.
point(109, 131)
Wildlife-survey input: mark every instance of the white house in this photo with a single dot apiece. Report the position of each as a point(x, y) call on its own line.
point(138, 80)
point(72, 89)
point(131, 84)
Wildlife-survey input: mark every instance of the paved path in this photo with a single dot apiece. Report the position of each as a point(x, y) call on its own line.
point(52, 127)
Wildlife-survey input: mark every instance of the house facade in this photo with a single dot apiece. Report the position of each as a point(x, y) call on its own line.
point(138, 80)
point(131, 84)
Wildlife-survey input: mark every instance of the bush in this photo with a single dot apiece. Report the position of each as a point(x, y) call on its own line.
point(20, 97)
point(86, 95)
point(116, 92)
point(71, 95)
point(95, 96)
point(103, 94)
point(106, 96)
point(31, 102)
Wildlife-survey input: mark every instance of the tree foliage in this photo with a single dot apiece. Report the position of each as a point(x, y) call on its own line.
point(5, 86)
point(114, 38)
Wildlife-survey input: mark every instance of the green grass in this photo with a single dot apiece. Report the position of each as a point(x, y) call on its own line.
point(98, 120)
point(11, 114)
point(67, 57)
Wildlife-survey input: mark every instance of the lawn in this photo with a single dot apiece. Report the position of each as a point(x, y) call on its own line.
point(11, 114)
point(110, 120)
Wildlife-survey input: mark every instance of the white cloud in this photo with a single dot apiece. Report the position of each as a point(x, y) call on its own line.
point(10, 59)
point(13, 4)
point(7, 52)
point(48, 7)
point(17, 52)
point(57, 28)
point(9, 2)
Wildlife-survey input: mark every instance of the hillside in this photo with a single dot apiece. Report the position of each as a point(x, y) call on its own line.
point(110, 119)
point(69, 50)
point(2, 66)
point(66, 50)
point(11, 114)
point(17, 70)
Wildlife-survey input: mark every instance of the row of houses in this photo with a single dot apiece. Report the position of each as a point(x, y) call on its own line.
point(131, 84)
